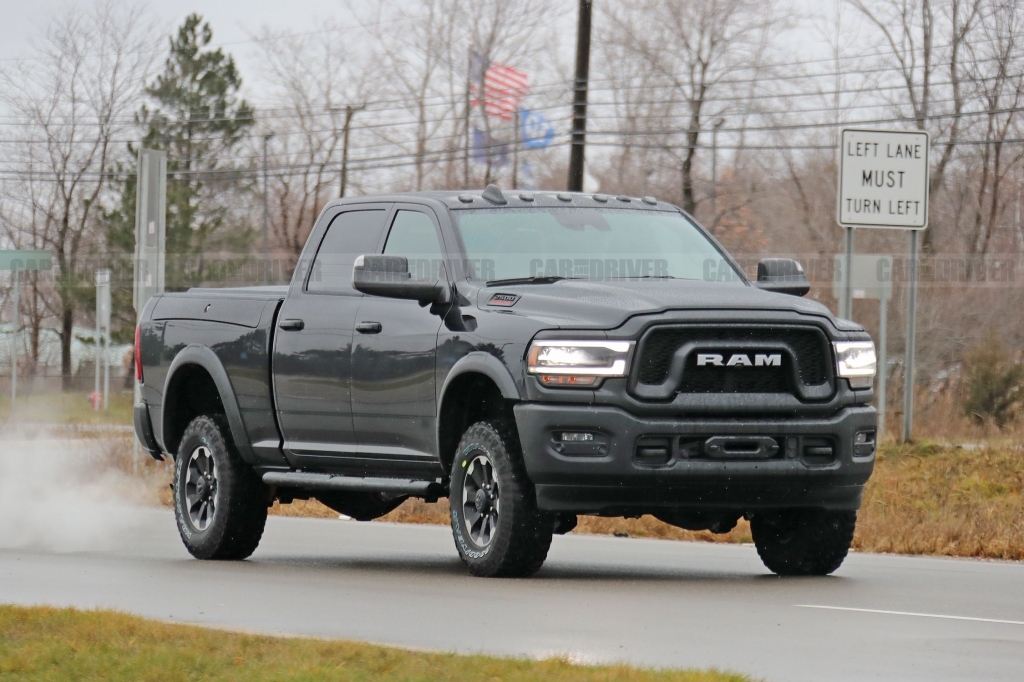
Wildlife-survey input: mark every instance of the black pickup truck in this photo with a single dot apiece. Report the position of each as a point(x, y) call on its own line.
point(530, 356)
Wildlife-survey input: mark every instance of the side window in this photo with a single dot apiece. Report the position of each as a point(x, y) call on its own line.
point(349, 235)
point(412, 235)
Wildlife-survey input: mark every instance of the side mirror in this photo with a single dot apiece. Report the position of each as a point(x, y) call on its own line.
point(389, 276)
point(782, 275)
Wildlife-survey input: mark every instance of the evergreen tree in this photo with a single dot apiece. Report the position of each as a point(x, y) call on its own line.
point(198, 118)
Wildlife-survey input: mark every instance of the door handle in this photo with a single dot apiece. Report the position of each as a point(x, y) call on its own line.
point(291, 325)
point(369, 327)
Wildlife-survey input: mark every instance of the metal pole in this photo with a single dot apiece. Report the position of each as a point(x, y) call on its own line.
point(714, 167)
point(266, 205)
point(465, 152)
point(350, 111)
point(106, 368)
point(14, 344)
point(908, 387)
point(883, 333)
point(96, 385)
point(847, 306)
point(515, 151)
point(579, 103)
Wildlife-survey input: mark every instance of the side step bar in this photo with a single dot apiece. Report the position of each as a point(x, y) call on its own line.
point(298, 479)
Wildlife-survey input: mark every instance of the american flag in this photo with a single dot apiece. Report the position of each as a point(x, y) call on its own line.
point(504, 87)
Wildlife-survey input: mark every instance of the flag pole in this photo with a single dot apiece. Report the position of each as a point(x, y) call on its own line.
point(465, 152)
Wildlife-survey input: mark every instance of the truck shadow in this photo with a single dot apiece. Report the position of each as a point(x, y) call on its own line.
point(556, 572)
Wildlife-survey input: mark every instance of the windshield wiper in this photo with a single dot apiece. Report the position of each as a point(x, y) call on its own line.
point(645, 277)
point(540, 279)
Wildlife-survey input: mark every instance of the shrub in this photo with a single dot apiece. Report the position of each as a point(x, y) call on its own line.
point(994, 382)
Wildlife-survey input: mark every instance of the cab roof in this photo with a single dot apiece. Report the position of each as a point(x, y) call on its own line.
point(492, 197)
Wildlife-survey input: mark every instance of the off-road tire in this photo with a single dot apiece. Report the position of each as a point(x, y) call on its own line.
point(241, 499)
point(795, 542)
point(521, 538)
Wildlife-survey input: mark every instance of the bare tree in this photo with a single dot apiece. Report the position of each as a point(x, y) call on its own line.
point(692, 46)
point(996, 74)
point(318, 86)
point(427, 72)
point(73, 100)
point(925, 41)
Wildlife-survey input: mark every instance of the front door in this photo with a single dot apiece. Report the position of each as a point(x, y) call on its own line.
point(393, 357)
point(313, 347)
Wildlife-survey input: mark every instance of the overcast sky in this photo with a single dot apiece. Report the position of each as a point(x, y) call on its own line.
point(235, 21)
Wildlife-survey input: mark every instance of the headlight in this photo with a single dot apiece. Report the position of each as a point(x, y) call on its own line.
point(855, 360)
point(578, 363)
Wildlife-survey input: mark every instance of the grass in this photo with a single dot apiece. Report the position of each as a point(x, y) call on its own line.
point(73, 407)
point(939, 499)
point(45, 644)
point(922, 499)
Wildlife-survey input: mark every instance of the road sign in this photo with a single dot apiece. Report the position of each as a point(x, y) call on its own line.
point(872, 277)
point(883, 179)
point(26, 260)
point(883, 182)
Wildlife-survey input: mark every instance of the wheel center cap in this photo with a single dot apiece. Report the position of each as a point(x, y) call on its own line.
point(482, 502)
point(201, 487)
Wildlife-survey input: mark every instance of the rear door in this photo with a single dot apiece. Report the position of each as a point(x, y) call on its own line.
point(394, 354)
point(313, 347)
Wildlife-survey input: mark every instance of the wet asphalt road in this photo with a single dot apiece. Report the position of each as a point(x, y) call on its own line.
point(598, 599)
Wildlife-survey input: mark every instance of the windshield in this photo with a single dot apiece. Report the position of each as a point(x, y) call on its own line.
point(585, 243)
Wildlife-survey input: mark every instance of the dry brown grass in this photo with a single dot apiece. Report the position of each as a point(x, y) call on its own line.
point(945, 500)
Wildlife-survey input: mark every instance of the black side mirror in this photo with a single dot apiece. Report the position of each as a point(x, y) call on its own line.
point(782, 275)
point(389, 276)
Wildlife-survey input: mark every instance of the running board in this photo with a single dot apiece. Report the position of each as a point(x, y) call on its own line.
point(297, 479)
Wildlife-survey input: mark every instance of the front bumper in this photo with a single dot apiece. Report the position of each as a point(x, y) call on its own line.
point(612, 478)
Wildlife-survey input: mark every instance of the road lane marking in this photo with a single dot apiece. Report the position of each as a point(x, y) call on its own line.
point(911, 613)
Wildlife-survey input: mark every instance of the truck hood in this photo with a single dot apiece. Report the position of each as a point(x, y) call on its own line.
point(607, 304)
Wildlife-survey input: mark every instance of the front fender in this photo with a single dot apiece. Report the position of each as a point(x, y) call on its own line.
point(196, 354)
point(488, 365)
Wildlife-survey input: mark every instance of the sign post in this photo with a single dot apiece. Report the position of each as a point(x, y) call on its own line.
point(883, 182)
point(103, 335)
point(870, 276)
point(14, 342)
point(16, 262)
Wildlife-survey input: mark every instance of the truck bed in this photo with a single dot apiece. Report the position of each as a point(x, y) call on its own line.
point(236, 325)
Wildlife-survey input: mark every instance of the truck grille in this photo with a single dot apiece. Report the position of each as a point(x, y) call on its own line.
point(807, 346)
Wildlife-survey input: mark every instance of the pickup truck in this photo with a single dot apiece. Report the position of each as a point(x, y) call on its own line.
point(532, 357)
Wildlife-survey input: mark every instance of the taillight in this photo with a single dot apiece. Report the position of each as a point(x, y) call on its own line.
point(138, 354)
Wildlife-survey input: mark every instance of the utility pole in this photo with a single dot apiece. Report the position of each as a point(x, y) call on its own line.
point(266, 204)
point(714, 168)
point(579, 100)
point(350, 111)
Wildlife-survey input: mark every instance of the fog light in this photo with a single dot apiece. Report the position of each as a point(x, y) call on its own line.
point(864, 443)
point(577, 437)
